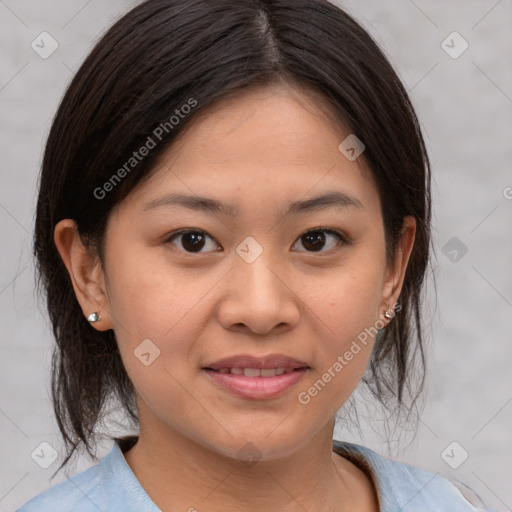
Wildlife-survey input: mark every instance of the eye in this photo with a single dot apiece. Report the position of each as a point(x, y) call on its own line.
point(314, 239)
point(193, 240)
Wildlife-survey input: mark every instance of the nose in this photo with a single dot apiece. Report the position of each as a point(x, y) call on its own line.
point(259, 298)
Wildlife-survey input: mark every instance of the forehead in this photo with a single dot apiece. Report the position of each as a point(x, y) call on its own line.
point(265, 143)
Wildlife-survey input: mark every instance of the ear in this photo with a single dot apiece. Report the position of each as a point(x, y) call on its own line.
point(395, 272)
point(85, 271)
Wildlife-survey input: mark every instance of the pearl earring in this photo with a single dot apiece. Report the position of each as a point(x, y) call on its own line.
point(94, 317)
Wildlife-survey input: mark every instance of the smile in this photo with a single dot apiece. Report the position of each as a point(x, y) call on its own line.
point(256, 372)
point(256, 383)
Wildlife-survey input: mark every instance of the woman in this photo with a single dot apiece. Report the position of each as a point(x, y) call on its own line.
point(232, 230)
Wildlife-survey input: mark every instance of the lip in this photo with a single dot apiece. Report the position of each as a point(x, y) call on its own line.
point(263, 362)
point(256, 388)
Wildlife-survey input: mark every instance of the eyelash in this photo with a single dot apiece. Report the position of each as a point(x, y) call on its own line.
point(342, 240)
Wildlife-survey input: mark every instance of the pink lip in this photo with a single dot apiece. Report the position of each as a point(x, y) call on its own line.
point(247, 361)
point(256, 387)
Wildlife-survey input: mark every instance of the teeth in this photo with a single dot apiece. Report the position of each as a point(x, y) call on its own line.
point(256, 372)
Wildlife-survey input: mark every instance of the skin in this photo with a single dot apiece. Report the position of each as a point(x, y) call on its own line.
point(259, 151)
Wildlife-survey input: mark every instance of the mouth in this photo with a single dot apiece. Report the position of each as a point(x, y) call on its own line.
point(256, 377)
point(254, 372)
point(247, 362)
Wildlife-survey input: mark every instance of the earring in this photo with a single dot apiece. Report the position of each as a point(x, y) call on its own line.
point(94, 317)
point(390, 313)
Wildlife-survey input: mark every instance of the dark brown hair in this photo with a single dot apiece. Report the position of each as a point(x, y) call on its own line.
point(150, 63)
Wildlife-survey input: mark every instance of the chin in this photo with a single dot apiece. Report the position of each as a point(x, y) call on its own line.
point(250, 446)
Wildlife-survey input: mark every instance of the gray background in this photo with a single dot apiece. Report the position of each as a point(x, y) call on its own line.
point(465, 107)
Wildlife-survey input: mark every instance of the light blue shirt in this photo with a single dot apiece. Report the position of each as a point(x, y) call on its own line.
point(111, 486)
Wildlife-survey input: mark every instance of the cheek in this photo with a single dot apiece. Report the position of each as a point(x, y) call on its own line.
point(150, 301)
point(152, 311)
point(346, 309)
point(348, 302)
point(147, 296)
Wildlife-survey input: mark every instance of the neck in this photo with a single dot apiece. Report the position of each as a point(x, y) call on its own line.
point(179, 474)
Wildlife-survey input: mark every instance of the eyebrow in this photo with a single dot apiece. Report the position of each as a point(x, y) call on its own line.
point(210, 205)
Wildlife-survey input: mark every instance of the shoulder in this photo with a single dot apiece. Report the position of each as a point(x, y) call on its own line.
point(81, 493)
point(405, 487)
point(110, 486)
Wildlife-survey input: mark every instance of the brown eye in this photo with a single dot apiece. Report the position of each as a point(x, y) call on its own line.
point(191, 240)
point(316, 239)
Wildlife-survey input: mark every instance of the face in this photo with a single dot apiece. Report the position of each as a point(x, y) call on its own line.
point(256, 324)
